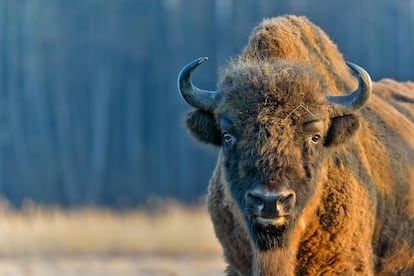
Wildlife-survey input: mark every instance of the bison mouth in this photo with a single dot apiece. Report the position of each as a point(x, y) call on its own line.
point(269, 233)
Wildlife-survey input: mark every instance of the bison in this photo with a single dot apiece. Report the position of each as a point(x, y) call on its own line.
point(315, 173)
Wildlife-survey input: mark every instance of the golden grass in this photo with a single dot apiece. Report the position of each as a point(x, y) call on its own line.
point(153, 265)
point(173, 229)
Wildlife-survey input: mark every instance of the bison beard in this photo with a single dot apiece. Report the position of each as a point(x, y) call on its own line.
point(269, 236)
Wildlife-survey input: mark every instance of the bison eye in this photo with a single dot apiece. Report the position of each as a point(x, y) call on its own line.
point(315, 138)
point(228, 139)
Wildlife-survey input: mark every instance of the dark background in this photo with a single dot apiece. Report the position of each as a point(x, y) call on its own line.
point(89, 109)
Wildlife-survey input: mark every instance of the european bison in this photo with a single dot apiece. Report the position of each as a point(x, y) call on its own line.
point(311, 179)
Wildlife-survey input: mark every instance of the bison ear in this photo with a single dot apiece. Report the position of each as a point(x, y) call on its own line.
point(203, 126)
point(342, 128)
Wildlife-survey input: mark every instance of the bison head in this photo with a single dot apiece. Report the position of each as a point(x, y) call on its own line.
point(275, 123)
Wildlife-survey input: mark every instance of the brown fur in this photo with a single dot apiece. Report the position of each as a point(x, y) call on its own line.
point(354, 189)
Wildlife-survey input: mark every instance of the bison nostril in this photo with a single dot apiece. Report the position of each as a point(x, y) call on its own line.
point(255, 199)
point(286, 201)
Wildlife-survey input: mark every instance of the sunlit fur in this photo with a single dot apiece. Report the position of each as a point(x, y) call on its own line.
point(354, 212)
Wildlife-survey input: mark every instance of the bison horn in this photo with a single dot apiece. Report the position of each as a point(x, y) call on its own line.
point(347, 104)
point(198, 98)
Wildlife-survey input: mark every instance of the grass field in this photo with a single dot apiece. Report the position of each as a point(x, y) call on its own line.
point(172, 240)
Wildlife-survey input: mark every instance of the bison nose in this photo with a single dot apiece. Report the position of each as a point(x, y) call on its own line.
point(270, 205)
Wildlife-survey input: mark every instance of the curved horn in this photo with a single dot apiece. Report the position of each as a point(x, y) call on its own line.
point(347, 104)
point(198, 98)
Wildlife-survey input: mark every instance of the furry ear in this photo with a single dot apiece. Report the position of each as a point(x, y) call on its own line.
point(203, 126)
point(341, 129)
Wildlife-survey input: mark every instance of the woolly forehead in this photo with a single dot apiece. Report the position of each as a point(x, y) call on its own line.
point(272, 92)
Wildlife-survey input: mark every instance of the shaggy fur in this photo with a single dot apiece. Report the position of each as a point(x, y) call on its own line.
point(354, 211)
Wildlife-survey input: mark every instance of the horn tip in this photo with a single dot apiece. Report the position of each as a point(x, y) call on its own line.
point(361, 72)
point(202, 60)
point(355, 68)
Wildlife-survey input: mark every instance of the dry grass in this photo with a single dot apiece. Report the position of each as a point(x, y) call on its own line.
point(112, 266)
point(173, 229)
point(173, 240)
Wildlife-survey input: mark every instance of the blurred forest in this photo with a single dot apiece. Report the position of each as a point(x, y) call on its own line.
point(89, 109)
